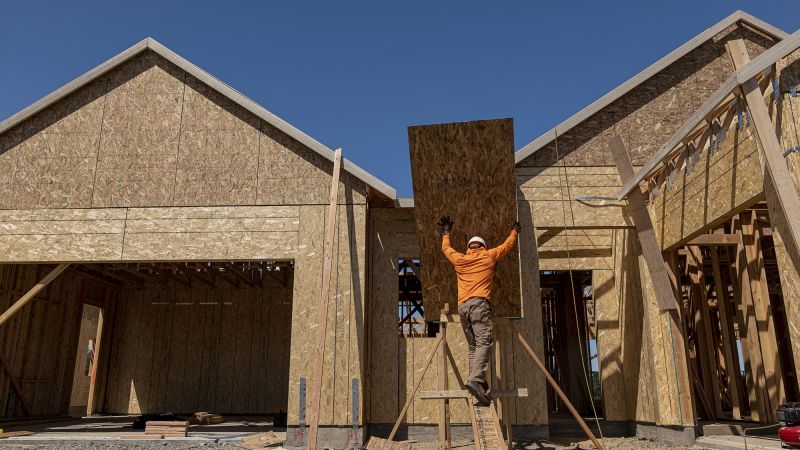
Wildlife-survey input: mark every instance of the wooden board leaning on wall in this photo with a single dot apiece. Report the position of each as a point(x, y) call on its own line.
point(465, 171)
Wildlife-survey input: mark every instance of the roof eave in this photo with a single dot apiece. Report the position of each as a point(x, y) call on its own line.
point(149, 43)
point(644, 75)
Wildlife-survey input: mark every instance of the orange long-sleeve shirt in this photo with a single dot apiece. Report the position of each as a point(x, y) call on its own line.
point(475, 269)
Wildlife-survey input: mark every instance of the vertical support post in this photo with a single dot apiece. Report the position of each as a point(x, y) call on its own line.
point(742, 274)
point(678, 333)
point(507, 421)
point(90, 405)
point(707, 338)
point(330, 234)
point(763, 316)
point(725, 334)
point(444, 409)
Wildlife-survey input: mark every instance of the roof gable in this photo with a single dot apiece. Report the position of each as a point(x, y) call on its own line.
point(651, 71)
point(240, 99)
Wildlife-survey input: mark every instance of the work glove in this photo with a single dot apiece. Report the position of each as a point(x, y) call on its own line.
point(445, 224)
point(516, 227)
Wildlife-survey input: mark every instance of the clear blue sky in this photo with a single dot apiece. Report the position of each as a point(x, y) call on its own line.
point(355, 74)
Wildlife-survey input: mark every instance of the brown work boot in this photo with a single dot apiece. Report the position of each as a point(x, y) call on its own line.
point(478, 392)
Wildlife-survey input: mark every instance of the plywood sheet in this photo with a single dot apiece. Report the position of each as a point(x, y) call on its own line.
point(464, 170)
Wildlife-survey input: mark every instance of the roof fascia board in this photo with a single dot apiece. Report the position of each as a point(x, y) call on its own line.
point(644, 75)
point(756, 66)
point(216, 84)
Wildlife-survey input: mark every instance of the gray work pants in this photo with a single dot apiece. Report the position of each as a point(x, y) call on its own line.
point(476, 319)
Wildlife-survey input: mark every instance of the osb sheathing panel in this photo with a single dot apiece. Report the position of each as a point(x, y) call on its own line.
point(135, 234)
point(396, 362)
point(344, 341)
point(148, 134)
point(40, 340)
point(168, 333)
point(455, 168)
point(575, 249)
point(788, 115)
point(718, 183)
point(552, 193)
point(650, 113)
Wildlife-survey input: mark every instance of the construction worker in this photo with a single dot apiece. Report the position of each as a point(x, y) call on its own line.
point(475, 272)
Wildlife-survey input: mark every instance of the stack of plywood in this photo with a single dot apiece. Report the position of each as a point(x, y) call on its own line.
point(207, 418)
point(167, 428)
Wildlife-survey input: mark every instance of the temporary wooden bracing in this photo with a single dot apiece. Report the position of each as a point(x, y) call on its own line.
point(171, 199)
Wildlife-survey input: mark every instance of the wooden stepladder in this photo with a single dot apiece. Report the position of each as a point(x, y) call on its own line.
point(487, 431)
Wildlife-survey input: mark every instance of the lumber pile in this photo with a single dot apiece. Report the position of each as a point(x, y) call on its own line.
point(207, 418)
point(167, 428)
point(376, 443)
point(262, 440)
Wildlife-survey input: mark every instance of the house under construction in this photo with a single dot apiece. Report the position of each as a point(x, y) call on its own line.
point(177, 231)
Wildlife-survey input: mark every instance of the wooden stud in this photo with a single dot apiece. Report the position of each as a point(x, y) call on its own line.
point(90, 405)
point(774, 162)
point(15, 385)
point(413, 392)
point(763, 313)
point(444, 408)
point(741, 273)
point(560, 393)
point(726, 335)
point(678, 333)
point(330, 234)
point(707, 346)
point(13, 309)
point(665, 296)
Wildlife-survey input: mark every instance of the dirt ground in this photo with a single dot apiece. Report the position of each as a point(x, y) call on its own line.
point(555, 444)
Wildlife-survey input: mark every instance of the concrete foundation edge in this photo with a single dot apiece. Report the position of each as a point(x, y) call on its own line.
point(327, 437)
point(430, 432)
point(666, 433)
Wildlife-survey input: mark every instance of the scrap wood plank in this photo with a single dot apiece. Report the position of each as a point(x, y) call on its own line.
point(490, 435)
point(465, 171)
point(376, 443)
point(460, 393)
point(330, 234)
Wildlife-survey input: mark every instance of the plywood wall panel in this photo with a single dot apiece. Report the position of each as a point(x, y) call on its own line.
point(456, 167)
point(167, 334)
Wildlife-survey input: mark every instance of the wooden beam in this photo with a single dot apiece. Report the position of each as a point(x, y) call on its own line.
point(13, 309)
point(741, 273)
point(774, 162)
point(678, 340)
point(726, 330)
point(714, 239)
point(330, 234)
point(560, 393)
point(234, 270)
point(461, 393)
point(706, 346)
point(413, 392)
point(15, 385)
point(763, 314)
point(445, 440)
point(665, 295)
point(90, 405)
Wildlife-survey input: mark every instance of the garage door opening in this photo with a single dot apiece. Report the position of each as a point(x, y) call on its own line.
point(176, 337)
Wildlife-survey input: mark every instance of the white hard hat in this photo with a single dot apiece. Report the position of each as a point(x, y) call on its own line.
point(477, 239)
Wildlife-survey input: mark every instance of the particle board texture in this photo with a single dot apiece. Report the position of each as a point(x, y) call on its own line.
point(651, 112)
point(787, 114)
point(344, 342)
point(190, 348)
point(40, 342)
point(465, 171)
point(396, 362)
point(149, 134)
point(719, 182)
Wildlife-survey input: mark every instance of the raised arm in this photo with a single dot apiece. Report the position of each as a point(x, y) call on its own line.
point(501, 250)
point(449, 251)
